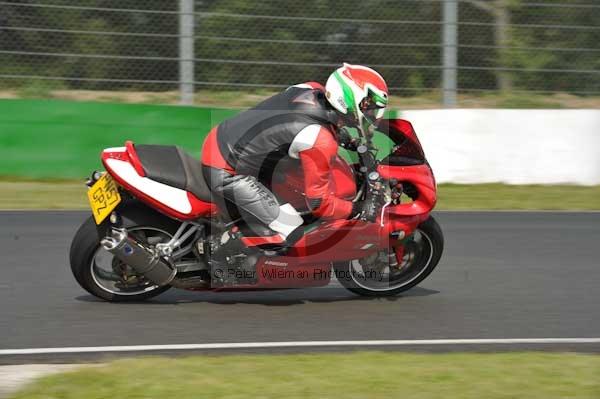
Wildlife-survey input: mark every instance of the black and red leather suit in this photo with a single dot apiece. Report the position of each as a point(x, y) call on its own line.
point(240, 155)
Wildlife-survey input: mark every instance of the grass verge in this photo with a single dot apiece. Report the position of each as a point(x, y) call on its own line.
point(355, 375)
point(43, 195)
point(71, 195)
point(527, 197)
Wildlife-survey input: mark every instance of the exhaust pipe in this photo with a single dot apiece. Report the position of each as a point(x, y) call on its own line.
point(143, 260)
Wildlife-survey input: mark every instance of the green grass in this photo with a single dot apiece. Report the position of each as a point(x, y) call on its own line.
point(348, 376)
point(70, 194)
point(501, 196)
point(43, 195)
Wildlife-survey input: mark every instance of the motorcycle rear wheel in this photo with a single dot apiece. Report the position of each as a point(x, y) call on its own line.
point(422, 254)
point(90, 263)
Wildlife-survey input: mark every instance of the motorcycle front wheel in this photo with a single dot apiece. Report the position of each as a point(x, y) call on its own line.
point(381, 276)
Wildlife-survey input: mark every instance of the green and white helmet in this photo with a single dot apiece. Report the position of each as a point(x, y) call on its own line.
point(359, 92)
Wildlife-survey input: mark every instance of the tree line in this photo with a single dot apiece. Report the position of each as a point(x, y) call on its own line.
point(503, 44)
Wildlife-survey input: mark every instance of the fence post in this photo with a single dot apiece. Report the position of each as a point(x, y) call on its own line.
point(449, 52)
point(186, 52)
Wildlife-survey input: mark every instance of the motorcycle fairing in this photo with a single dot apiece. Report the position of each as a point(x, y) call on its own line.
point(309, 262)
point(407, 164)
point(281, 273)
point(421, 177)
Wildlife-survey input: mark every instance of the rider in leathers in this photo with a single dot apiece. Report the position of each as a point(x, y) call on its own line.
point(301, 124)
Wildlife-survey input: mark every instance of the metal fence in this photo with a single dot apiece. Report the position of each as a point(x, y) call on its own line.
point(422, 47)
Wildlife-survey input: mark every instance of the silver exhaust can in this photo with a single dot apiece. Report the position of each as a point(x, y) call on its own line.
point(145, 261)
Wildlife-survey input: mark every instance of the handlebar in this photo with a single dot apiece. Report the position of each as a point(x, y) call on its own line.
point(367, 159)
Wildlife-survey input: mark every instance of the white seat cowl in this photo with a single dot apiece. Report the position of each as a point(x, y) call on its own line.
point(172, 197)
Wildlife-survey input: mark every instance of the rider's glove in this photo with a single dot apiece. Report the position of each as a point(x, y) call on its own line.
point(346, 140)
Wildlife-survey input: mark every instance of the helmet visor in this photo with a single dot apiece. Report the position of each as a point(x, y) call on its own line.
point(373, 106)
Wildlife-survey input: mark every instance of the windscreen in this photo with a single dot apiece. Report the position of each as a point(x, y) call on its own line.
point(396, 143)
point(402, 147)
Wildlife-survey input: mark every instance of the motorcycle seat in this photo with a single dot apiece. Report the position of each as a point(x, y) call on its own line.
point(172, 166)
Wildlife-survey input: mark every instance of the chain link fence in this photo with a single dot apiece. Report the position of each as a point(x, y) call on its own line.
point(422, 47)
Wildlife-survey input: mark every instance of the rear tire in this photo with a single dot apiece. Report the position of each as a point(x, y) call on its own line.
point(432, 232)
point(86, 245)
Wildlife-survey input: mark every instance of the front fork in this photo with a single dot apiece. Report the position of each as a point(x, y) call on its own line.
point(396, 255)
point(397, 248)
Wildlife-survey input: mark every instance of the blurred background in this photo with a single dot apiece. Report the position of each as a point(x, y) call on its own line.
point(499, 91)
point(503, 94)
point(505, 53)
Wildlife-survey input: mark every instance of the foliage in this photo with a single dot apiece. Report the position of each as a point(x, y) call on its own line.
point(317, 34)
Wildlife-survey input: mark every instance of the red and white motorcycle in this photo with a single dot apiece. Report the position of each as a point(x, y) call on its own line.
point(154, 226)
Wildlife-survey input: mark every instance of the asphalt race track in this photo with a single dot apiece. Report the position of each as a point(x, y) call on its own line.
point(503, 275)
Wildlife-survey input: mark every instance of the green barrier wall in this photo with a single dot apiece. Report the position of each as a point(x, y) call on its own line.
point(63, 139)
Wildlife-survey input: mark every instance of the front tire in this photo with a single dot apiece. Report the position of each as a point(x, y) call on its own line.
point(86, 253)
point(418, 262)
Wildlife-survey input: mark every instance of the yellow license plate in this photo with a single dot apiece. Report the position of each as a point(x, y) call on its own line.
point(104, 197)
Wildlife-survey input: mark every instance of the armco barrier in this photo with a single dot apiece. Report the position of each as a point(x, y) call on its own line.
point(511, 146)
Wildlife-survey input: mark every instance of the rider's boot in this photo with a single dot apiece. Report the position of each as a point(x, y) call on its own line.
point(230, 263)
point(234, 263)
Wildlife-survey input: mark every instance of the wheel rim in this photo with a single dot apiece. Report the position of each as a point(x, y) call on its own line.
point(417, 258)
point(115, 277)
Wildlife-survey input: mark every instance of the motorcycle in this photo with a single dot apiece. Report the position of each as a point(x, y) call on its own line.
point(154, 225)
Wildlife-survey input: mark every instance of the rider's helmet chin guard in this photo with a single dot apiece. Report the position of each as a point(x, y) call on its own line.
point(359, 93)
